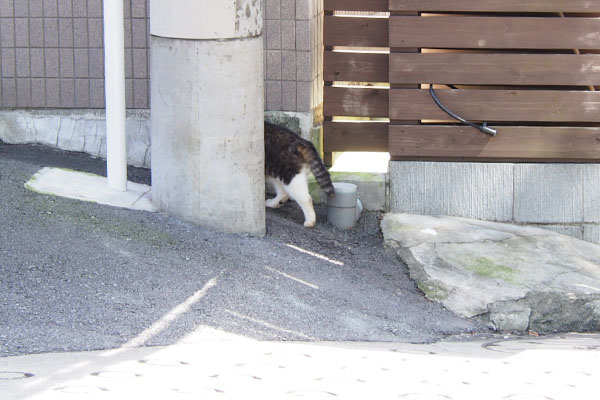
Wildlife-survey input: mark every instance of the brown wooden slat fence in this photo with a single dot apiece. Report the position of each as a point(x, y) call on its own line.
point(357, 66)
point(529, 68)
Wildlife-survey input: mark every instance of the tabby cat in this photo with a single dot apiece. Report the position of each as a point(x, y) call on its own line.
point(288, 157)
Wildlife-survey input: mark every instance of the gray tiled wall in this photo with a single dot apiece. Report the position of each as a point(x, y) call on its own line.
point(292, 55)
point(52, 54)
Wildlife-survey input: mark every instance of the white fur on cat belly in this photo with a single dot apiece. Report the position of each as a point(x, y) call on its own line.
point(297, 190)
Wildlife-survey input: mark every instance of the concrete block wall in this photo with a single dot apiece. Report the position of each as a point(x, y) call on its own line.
point(292, 55)
point(51, 54)
point(561, 197)
point(51, 59)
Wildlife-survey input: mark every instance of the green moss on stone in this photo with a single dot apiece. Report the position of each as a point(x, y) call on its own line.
point(487, 268)
point(356, 176)
point(432, 291)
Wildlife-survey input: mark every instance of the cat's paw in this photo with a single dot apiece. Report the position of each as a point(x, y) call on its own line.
point(310, 224)
point(273, 203)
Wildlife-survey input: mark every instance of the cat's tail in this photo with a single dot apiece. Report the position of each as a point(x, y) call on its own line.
point(318, 169)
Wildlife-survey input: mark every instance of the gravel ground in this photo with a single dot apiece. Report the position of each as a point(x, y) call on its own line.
point(81, 276)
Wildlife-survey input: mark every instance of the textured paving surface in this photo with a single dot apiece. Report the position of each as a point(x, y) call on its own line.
point(553, 368)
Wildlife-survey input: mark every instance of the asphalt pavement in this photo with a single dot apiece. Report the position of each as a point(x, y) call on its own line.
point(81, 276)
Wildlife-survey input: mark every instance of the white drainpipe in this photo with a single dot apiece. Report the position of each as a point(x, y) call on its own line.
point(114, 78)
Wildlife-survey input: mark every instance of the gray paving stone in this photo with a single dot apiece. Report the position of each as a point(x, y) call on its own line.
point(36, 8)
point(7, 32)
point(51, 32)
point(50, 8)
point(288, 34)
point(38, 92)
point(9, 92)
point(22, 32)
point(82, 93)
point(67, 93)
point(37, 62)
point(273, 34)
point(23, 92)
point(23, 63)
point(288, 95)
point(36, 32)
point(138, 8)
point(65, 32)
point(53, 93)
point(288, 9)
point(51, 62)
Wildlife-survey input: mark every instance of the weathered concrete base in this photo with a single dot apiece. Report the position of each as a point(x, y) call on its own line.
point(299, 122)
point(511, 277)
point(207, 132)
point(559, 197)
point(76, 130)
point(85, 130)
point(89, 187)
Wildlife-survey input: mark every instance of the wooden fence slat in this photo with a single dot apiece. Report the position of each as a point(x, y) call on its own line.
point(339, 101)
point(496, 69)
point(511, 144)
point(356, 67)
point(496, 5)
point(497, 105)
point(494, 32)
point(351, 136)
point(356, 5)
point(358, 32)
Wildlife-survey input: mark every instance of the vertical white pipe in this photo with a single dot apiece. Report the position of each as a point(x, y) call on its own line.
point(114, 83)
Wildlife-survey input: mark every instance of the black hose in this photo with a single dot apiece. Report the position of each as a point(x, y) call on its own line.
point(483, 127)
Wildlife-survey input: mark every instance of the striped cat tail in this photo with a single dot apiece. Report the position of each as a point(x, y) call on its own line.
point(318, 169)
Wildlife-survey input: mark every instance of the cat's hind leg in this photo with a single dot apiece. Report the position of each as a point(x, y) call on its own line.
point(298, 191)
point(281, 195)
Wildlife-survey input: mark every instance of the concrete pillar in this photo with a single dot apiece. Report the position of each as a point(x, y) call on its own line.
point(207, 110)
